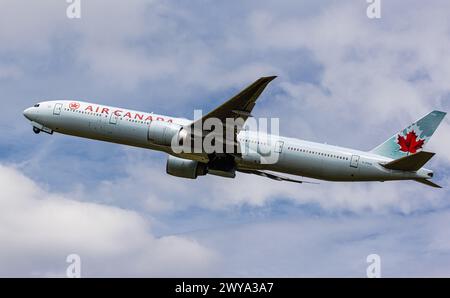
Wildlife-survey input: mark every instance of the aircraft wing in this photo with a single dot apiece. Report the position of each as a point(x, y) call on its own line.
point(239, 106)
point(273, 176)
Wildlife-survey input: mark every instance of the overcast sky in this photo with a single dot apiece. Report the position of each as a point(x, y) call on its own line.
point(343, 79)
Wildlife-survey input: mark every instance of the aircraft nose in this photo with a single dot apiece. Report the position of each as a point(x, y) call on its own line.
point(28, 113)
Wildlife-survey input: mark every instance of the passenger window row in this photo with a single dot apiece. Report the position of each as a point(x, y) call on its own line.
point(86, 113)
point(255, 142)
point(317, 153)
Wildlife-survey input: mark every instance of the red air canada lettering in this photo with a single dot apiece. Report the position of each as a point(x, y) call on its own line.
point(120, 113)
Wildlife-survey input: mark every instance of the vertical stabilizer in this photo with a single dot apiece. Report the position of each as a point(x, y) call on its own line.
point(412, 139)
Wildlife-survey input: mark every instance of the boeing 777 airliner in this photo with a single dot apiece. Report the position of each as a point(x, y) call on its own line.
point(401, 157)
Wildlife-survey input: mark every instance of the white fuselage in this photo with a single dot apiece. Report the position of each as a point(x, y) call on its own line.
point(294, 156)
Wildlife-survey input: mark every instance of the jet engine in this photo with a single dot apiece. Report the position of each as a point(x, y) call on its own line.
point(162, 133)
point(185, 168)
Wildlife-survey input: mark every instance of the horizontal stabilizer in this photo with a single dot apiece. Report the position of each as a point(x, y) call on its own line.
point(411, 162)
point(428, 182)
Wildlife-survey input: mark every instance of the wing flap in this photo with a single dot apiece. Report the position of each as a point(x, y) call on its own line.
point(273, 176)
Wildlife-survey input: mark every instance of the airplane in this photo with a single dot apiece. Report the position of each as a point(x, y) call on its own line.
point(401, 157)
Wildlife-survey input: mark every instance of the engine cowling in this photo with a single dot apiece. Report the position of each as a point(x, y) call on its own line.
point(184, 168)
point(162, 133)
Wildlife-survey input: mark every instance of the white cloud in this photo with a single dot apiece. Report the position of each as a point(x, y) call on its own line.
point(28, 26)
point(39, 229)
point(371, 68)
point(372, 78)
point(302, 245)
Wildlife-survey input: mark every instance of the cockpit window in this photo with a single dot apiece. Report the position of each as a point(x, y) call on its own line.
point(36, 105)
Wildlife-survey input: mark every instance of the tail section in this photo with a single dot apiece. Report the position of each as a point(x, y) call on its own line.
point(413, 163)
point(411, 139)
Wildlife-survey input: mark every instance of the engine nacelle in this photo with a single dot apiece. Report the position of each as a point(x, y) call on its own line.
point(162, 133)
point(184, 168)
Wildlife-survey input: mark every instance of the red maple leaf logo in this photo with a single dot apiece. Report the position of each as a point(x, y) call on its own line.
point(410, 143)
point(74, 105)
